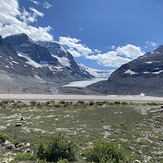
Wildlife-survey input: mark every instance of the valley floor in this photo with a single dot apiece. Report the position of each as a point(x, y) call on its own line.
point(44, 97)
point(136, 128)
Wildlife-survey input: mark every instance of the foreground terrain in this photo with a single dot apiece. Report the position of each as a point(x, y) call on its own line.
point(136, 128)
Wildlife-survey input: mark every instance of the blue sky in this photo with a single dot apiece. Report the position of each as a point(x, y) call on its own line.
point(102, 34)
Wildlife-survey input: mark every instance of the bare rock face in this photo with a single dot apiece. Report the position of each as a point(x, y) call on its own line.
point(22, 43)
point(142, 75)
point(27, 66)
point(66, 59)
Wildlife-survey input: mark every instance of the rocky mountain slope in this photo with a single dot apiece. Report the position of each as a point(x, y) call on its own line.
point(27, 66)
point(142, 75)
point(48, 54)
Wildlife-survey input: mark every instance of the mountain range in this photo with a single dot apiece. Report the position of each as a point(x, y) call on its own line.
point(143, 75)
point(36, 67)
point(45, 67)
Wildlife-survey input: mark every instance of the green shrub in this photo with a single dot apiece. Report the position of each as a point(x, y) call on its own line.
point(62, 102)
point(81, 102)
point(103, 151)
point(3, 137)
point(124, 103)
point(91, 103)
point(57, 105)
point(33, 103)
point(56, 149)
point(117, 102)
point(100, 103)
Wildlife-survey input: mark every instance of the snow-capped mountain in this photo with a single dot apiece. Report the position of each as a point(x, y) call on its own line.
point(27, 66)
point(49, 55)
point(142, 75)
point(65, 59)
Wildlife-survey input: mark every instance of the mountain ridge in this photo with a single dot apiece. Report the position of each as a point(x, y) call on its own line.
point(142, 75)
point(27, 66)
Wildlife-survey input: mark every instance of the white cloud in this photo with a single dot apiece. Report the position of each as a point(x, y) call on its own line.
point(114, 58)
point(97, 51)
point(109, 59)
point(36, 12)
point(74, 47)
point(150, 44)
point(81, 29)
point(14, 20)
point(47, 5)
point(129, 51)
point(35, 2)
point(119, 56)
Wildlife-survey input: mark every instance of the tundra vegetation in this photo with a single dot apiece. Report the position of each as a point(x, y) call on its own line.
point(80, 131)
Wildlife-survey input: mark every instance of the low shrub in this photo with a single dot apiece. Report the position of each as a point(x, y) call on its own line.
point(91, 103)
point(3, 137)
point(103, 151)
point(57, 149)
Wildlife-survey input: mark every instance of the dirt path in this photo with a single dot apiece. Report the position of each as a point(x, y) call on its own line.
point(138, 99)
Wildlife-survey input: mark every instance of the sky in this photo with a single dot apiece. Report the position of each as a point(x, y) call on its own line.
point(101, 34)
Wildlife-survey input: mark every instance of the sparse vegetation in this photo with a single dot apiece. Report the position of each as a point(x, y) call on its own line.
point(103, 151)
point(136, 128)
point(23, 157)
point(3, 137)
point(57, 149)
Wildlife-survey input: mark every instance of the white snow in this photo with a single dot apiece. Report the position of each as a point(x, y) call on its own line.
point(10, 57)
point(149, 62)
point(101, 74)
point(98, 74)
point(130, 72)
point(10, 63)
point(146, 72)
point(15, 62)
point(30, 61)
point(63, 61)
point(62, 49)
point(157, 72)
point(83, 83)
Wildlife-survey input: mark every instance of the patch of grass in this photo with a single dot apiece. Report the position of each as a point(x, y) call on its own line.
point(135, 127)
point(24, 157)
point(3, 137)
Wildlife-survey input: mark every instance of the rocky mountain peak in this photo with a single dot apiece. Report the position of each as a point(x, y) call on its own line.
point(18, 39)
point(24, 45)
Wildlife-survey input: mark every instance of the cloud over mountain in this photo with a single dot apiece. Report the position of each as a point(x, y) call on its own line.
point(74, 47)
point(113, 58)
point(14, 20)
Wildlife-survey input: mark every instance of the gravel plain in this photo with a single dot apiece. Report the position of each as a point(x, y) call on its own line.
point(135, 98)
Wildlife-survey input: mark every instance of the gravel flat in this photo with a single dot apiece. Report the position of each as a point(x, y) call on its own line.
point(138, 99)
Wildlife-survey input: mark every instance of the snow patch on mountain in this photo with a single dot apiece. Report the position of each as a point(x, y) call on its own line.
point(98, 74)
point(29, 60)
point(63, 61)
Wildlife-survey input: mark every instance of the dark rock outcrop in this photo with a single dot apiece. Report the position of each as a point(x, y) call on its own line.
point(23, 44)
